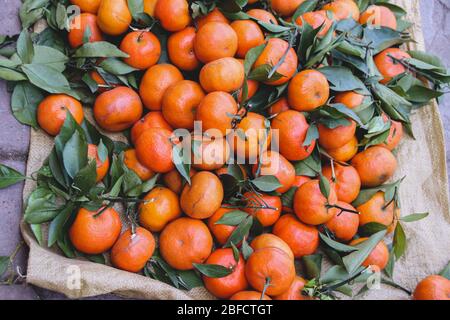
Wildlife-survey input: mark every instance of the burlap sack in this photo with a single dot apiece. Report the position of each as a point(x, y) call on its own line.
point(425, 189)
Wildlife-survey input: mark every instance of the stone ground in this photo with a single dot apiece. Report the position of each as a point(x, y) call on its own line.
point(15, 137)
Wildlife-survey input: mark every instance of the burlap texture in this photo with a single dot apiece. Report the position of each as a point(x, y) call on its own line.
point(425, 189)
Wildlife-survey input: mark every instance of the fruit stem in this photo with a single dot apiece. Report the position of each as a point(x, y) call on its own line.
point(342, 209)
point(266, 285)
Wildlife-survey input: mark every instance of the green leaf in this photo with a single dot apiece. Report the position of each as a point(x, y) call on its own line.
point(370, 228)
point(136, 7)
point(354, 260)
point(182, 162)
point(11, 75)
point(399, 242)
point(313, 265)
point(116, 67)
point(213, 270)
point(144, 187)
point(266, 183)
point(9, 176)
point(287, 198)
point(75, 154)
point(311, 135)
point(305, 6)
point(4, 264)
point(382, 38)
point(389, 269)
point(41, 206)
point(99, 49)
point(446, 271)
point(189, 279)
point(236, 255)
point(232, 218)
point(86, 177)
point(50, 57)
point(251, 57)
point(336, 245)
point(414, 217)
point(56, 226)
point(246, 249)
point(324, 185)
point(309, 167)
point(261, 73)
point(48, 79)
point(241, 231)
point(25, 49)
point(24, 102)
point(342, 79)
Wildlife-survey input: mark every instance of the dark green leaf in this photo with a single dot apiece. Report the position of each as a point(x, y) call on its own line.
point(246, 249)
point(41, 206)
point(9, 176)
point(399, 243)
point(75, 154)
point(311, 135)
point(57, 225)
point(266, 183)
point(182, 162)
point(414, 217)
point(336, 245)
point(370, 228)
point(324, 185)
point(25, 49)
point(232, 218)
point(86, 177)
point(116, 67)
point(4, 264)
point(342, 79)
point(99, 49)
point(24, 101)
point(213, 270)
point(313, 265)
point(446, 271)
point(241, 231)
point(50, 57)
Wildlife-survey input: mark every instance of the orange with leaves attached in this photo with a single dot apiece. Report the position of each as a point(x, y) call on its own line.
point(78, 27)
point(274, 164)
point(333, 138)
point(379, 256)
point(266, 208)
point(221, 232)
point(346, 152)
point(346, 181)
point(251, 136)
point(131, 161)
point(294, 292)
point(378, 210)
point(316, 19)
point(214, 16)
point(343, 9)
point(350, 99)
point(388, 62)
point(249, 36)
point(262, 15)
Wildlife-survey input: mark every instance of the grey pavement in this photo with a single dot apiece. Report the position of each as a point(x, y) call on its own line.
point(14, 138)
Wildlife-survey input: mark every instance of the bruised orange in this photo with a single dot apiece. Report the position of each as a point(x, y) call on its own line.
point(160, 206)
point(308, 90)
point(94, 232)
point(52, 112)
point(188, 236)
point(143, 49)
point(180, 47)
point(132, 250)
point(118, 109)
point(154, 150)
point(78, 27)
point(155, 82)
point(227, 286)
point(301, 238)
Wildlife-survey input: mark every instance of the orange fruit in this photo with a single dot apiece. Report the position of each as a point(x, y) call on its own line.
point(308, 90)
point(214, 16)
point(94, 232)
point(285, 8)
point(203, 196)
point(174, 181)
point(78, 26)
point(395, 134)
point(350, 99)
point(433, 288)
point(102, 166)
point(114, 17)
point(155, 82)
point(152, 119)
point(180, 102)
point(249, 35)
point(249, 295)
point(210, 152)
point(388, 67)
point(131, 161)
point(264, 207)
point(274, 164)
point(346, 152)
point(375, 166)
point(294, 292)
point(149, 7)
point(262, 15)
point(344, 225)
point(301, 238)
point(180, 47)
point(376, 210)
point(379, 256)
point(117, 109)
point(90, 6)
point(132, 251)
point(298, 181)
point(221, 232)
point(316, 19)
point(269, 240)
point(215, 40)
point(379, 16)
point(291, 127)
point(52, 112)
point(343, 9)
point(257, 136)
point(143, 48)
point(272, 54)
point(216, 111)
point(279, 106)
point(347, 182)
point(190, 237)
point(252, 88)
point(173, 14)
point(154, 150)
point(333, 138)
point(311, 206)
point(227, 286)
point(271, 268)
point(225, 74)
point(160, 207)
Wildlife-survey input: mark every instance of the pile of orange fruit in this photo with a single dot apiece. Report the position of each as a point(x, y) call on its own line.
point(194, 218)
